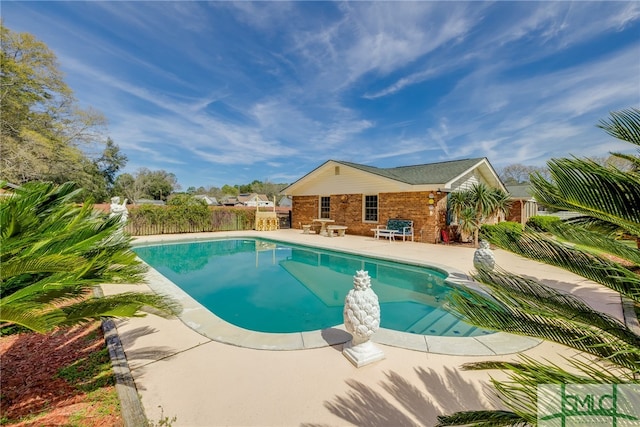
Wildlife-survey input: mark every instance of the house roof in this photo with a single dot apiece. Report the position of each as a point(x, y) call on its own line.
point(248, 197)
point(520, 191)
point(440, 174)
point(149, 202)
point(208, 199)
point(285, 201)
point(430, 173)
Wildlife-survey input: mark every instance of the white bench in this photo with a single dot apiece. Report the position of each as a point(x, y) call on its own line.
point(403, 227)
point(340, 229)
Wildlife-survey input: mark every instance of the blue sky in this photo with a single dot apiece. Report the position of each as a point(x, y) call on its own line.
point(228, 92)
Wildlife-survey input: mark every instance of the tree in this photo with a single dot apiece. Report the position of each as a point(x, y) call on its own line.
point(55, 252)
point(590, 245)
point(617, 162)
point(42, 129)
point(185, 200)
point(110, 162)
point(474, 206)
point(125, 184)
point(518, 174)
point(270, 189)
point(228, 190)
point(157, 185)
point(243, 188)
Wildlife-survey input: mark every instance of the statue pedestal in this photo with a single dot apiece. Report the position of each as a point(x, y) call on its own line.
point(362, 354)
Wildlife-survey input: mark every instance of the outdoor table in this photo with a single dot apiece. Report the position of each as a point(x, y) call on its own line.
point(323, 225)
point(384, 232)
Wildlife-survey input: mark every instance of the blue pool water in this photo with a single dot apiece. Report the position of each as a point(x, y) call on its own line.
point(275, 287)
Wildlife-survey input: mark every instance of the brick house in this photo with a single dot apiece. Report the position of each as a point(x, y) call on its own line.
point(523, 205)
point(362, 197)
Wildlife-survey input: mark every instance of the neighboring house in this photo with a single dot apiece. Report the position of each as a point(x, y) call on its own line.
point(255, 199)
point(285, 202)
point(209, 200)
point(362, 197)
point(523, 205)
point(230, 201)
point(149, 202)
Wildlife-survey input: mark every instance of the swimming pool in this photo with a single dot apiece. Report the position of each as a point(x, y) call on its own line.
point(269, 286)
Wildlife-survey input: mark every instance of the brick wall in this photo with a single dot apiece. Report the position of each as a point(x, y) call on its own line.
point(346, 209)
point(515, 211)
point(304, 209)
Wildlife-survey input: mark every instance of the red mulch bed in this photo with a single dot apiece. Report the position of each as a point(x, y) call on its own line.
point(29, 384)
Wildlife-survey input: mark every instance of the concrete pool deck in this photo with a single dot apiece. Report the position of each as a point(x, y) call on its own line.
point(203, 382)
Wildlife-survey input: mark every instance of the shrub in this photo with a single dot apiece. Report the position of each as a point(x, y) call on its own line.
point(512, 228)
point(187, 218)
point(542, 223)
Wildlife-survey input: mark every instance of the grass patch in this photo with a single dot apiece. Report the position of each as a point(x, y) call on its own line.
point(106, 399)
point(89, 373)
point(103, 403)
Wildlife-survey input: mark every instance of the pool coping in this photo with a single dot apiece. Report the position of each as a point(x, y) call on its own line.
point(206, 323)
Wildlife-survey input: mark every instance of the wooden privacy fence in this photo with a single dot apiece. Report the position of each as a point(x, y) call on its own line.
point(149, 219)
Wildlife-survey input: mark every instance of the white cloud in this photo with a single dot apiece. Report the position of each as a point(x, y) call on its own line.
point(282, 86)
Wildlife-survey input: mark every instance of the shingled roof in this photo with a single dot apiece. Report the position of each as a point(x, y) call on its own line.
point(520, 191)
point(430, 173)
point(441, 175)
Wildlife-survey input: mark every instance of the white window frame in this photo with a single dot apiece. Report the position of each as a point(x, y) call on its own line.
point(320, 211)
point(364, 208)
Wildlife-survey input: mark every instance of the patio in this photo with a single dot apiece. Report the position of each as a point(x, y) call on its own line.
point(202, 382)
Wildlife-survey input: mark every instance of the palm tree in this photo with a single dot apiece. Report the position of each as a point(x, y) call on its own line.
point(590, 245)
point(474, 206)
point(54, 253)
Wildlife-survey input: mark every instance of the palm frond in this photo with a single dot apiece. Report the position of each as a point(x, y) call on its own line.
point(478, 311)
point(31, 316)
point(589, 188)
point(624, 125)
point(53, 263)
point(539, 247)
point(520, 392)
point(483, 419)
point(633, 160)
point(586, 370)
point(535, 298)
point(522, 307)
point(48, 290)
point(569, 231)
point(53, 252)
point(128, 304)
point(596, 225)
point(607, 199)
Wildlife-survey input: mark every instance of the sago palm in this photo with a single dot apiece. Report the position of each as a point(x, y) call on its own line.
point(608, 200)
point(474, 206)
point(53, 253)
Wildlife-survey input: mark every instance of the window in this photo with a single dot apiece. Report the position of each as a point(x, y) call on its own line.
point(371, 208)
point(325, 207)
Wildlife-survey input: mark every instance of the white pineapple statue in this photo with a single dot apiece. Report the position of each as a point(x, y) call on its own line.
point(483, 257)
point(362, 320)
